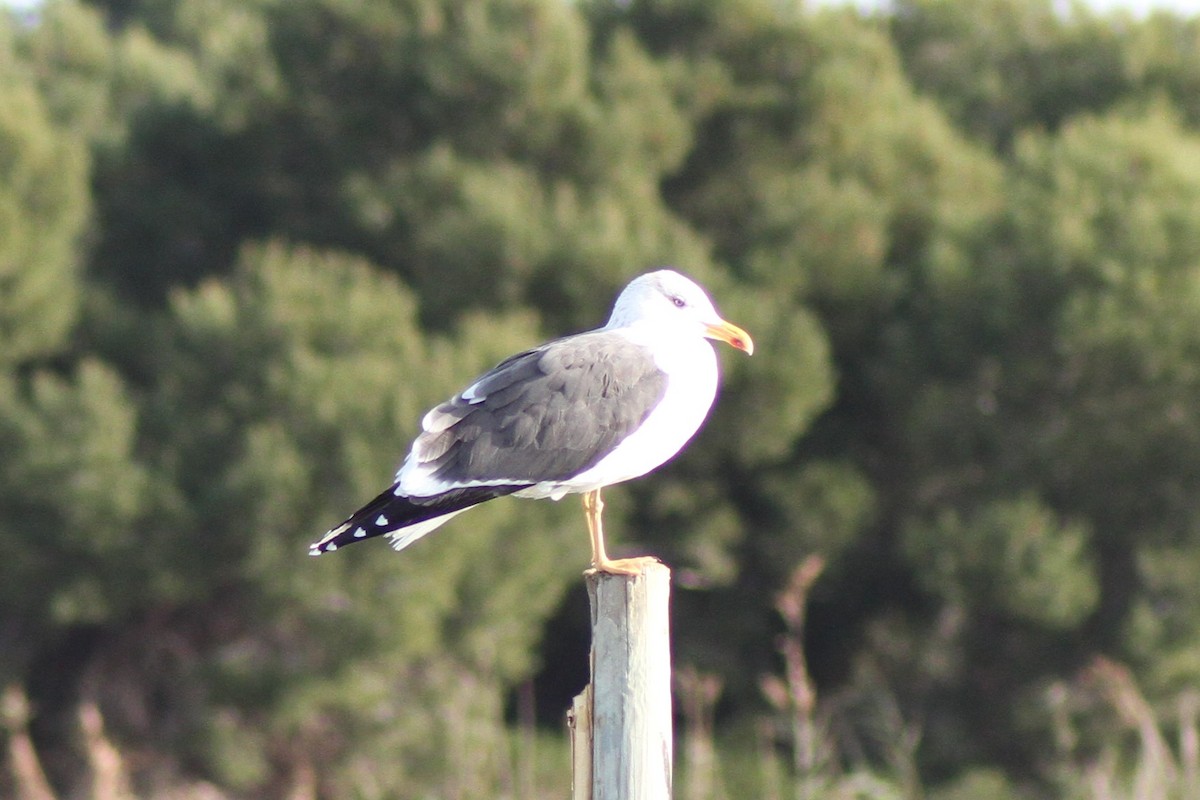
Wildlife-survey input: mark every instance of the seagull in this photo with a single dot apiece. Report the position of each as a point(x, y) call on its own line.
point(572, 416)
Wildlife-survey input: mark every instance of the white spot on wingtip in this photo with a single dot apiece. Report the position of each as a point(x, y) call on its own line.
point(314, 551)
point(359, 533)
point(381, 520)
point(329, 548)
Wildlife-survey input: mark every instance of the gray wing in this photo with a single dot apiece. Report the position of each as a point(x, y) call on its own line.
point(545, 414)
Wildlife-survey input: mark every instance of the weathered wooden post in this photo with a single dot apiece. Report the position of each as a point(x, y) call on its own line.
point(621, 741)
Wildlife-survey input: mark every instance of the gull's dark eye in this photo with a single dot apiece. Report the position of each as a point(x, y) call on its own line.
point(678, 301)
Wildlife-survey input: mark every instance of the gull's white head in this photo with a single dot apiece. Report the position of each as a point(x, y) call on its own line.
point(669, 299)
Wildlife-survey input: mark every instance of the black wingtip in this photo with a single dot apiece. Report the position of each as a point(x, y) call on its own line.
point(390, 512)
point(353, 530)
point(329, 542)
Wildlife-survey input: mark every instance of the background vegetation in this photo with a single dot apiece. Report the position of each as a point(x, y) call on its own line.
point(244, 244)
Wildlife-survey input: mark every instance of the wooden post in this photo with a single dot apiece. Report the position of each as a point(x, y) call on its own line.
point(621, 741)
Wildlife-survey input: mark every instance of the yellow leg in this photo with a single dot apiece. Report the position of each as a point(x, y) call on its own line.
point(593, 507)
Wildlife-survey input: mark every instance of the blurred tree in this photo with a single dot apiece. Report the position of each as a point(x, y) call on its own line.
point(273, 403)
point(43, 207)
point(1000, 66)
point(209, 633)
point(1163, 57)
point(71, 499)
point(1048, 453)
point(71, 493)
point(1112, 209)
point(963, 235)
point(440, 140)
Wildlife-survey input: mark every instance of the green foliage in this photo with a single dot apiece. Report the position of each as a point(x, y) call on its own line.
point(998, 66)
point(243, 246)
point(43, 206)
point(276, 388)
point(72, 499)
point(1011, 557)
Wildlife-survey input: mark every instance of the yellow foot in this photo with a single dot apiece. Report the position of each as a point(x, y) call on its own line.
point(625, 566)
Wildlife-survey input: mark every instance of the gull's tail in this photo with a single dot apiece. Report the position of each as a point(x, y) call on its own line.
point(406, 519)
